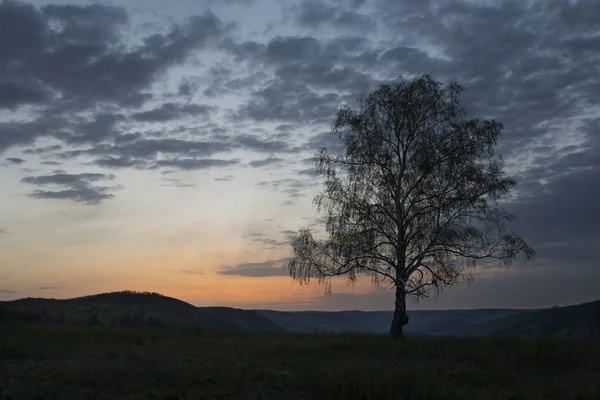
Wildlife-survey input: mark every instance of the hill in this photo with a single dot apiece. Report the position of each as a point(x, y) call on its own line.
point(144, 308)
point(128, 308)
point(422, 322)
point(580, 321)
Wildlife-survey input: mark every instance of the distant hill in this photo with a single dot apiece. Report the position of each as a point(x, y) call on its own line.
point(132, 308)
point(144, 308)
point(580, 321)
point(422, 322)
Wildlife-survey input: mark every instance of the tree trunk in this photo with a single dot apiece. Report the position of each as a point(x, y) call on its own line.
point(400, 317)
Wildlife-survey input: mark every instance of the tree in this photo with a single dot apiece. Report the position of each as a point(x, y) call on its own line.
point(412, 199)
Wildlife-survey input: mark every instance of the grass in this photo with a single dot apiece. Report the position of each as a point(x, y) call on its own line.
point(41, 362)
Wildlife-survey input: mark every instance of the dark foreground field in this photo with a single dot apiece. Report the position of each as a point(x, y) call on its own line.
point(188, 363)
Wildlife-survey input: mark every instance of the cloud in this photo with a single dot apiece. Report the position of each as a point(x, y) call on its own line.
point(12, 94)
point(79, 188)
point(66, 179)
point(254, 234)
point(144, 153)
point(293, 188)
point(139, 151)
point(75, 58)
point(3, 231)
point(177, 183)
point(192, 163)
point(265, 162)
point(43, 150)
point(14, 160)
point(308, 172)
point(571, 234)
point(316, 14)
point(227, 178)
point(87, 77)
point(48, 288)
point(288, 101)
point(257, 270)
point(259, 237)
point(524, 72)
point(258, 144)
point(8, 291)
point(172, 111)
point(191, 272)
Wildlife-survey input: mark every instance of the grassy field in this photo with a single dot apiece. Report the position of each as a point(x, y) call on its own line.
point(186, 363)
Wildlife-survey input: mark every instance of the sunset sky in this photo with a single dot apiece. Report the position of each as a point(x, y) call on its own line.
point(167, 145)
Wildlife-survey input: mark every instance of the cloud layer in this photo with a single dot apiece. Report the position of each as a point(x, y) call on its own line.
point(90, 94)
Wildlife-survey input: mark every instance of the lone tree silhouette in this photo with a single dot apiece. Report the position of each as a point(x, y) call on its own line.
point(412, 199)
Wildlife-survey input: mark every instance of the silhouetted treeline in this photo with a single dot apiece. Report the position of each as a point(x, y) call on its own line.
point(113, 316)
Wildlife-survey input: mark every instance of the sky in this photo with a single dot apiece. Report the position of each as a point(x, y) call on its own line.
point(167, 146)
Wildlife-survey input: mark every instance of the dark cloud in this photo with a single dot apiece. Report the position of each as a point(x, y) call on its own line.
point(257, 270)
point(289, 101)
point(187, 88)
point(227, 178)
point(43, 150)
point(561, 216)
point(3, 231)
point(14, 160)
point(120, 162)
point(48, 288)
point(8, 291)
point(259, 237)
point(272, 243)
point(12, 94)
point(66, 179)
point(144, 153)
point(235, 2)
point(513, 66)
point(266, 161)
point(25, 132)
point(97, 129)
point(308, 161)
point(311, 79)
point(172, 111)
point(308, 172)
point(74, 58)
point(174, 182)
point(259, 144)
point(284, 128)
point(78, 188)
point(223, 82)
point(193, 163)
point(316, 14)
point(82, 194)
point(342, 51)
point(293, 188)
point(321, 74)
